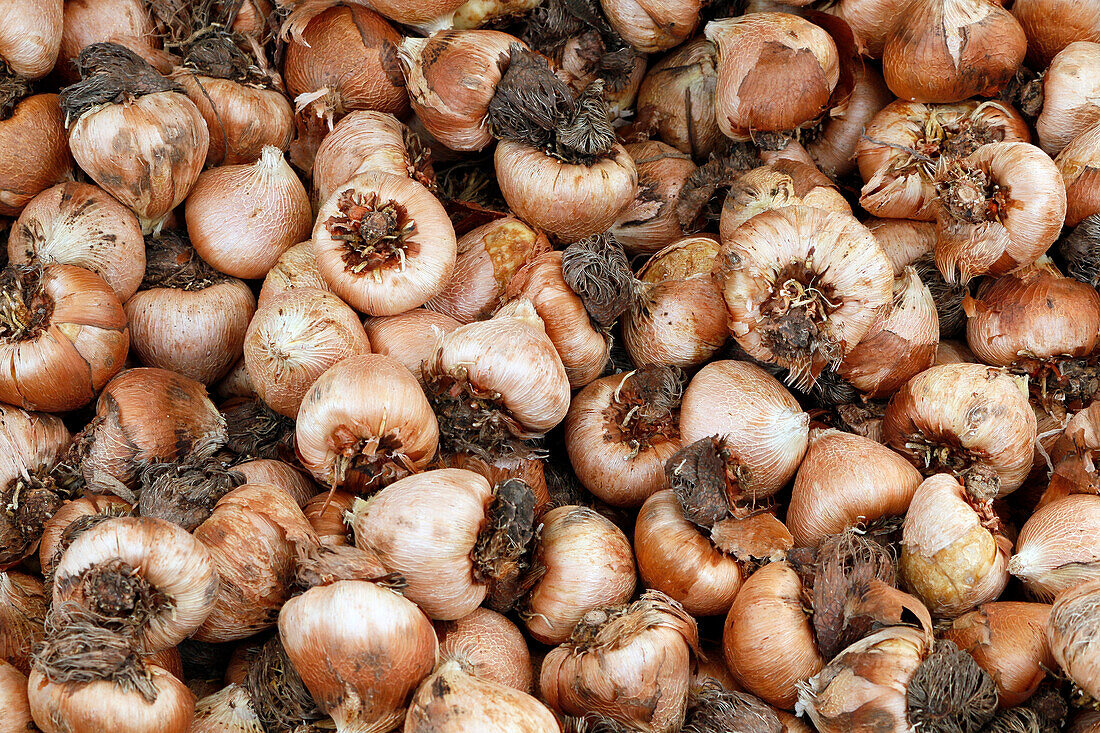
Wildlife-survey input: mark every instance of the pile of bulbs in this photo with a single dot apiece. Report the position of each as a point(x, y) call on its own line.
point(525, 366)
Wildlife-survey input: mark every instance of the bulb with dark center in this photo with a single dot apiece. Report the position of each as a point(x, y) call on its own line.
point(643, 409)
point(376, 234)
point(376, 458)
point(797, 311)
point(116, 591)
point(25, 309)
point(970, 195)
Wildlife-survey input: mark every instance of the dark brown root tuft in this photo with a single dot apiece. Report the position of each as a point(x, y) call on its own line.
point(111, 74)
point(475, 422)
point(950, 693)
point(1081, 249)
point(706, 481)
point(598, 271)
point(185, 493)
point(948, 297)
point(257, 431)
point(375, 233)
point(714, 709)
point(171, 262)
point(25, 308)
point(279, 696)
point(846, 562)
point(13, 90)
point(503, 551)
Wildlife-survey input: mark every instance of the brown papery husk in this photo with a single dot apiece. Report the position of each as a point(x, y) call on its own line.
point(768, 637)
point(834, 147)
point(229, 709)
point(866, 683)
point(79, 224)
point(73, 518)
point(1056, 550)
point(621, 430)
point(757, 537)
point(453, 700)
point(1045, 40)
point(844, 481)
point(22, 615)
point(1008, 640)
point(32, 129)
point(1071, 632)
point(651, 222)
point(904, 241)
point(953, 416)
point(530, 470)
point(30, 41)
point(326, 514)
point(1069, 91)
point(290, 478)
point(489, 646)
point(949, 691)
point(64, 335)
point(901, 146)
point(488, 258)
point(581, 344)
point(1079, 163)
point(410, 337)
point(295, 268)
point(13, 696)
point(999, 208)
point(783, 183)
point(126, 22)
point(1073, 456)
point(185, 492)
point(256, 431)
point(677, 97)
point(898, 346)
point(142, 415)
point(595, 671)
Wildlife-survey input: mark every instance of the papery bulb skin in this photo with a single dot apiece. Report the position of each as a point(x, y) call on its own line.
point(241, 218)
point(410, 337)
point(954, 416)
point(651, 26)
point(490, 646)
point(162, 128)
point(1008, 640)
point(619, 432)
point(451, 77)
point(678, 94)
point(1076, 22)
point(488, 258)
point(631, 664)
point(777, 268)
point(146, 572)
point(295, 268)
point(71, 520)
point(79, 224)
point(63, 333)
point(1057, 548)
point(782, 183)
point(768, 638)
point(999, 208)
point(293, 339)
point(1071, 632)
point(949, 50)
point(13, 696)
point(229, 710)
point(426, 17)
point(775, 72)
point(477, 13)
point(1069, 96)
point(953, 554)
point(900, 185)
point(679, 318)
point(872, 22)
point(904, 241)
point(22, 614)
point(38, 156)
point(846, 481)
point(126, 22)
point(362, 669)
point(675, 557)
point(1079, 163)
point(762, 425)
point(651, 222)
point(31, 37)
point(384, 244)
point(365, 422)
point(898, 346)
point(843, 127)
point(588, 565)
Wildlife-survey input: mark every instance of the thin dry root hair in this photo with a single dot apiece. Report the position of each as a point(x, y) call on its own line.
point(111, 74)
point(950, 693)
point(1081, 250)
point(280, 698)
point(714, 709)
point(598, 271)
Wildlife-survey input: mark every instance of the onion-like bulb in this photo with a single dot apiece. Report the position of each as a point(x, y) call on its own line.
point(255, 537)
point(1057, 548)
point(452, 700)
point(186, 316)
point(949, 50)
point(629, 663)
point(776, 72)
point(651, 26)
point(22, 614)
point(63, 334)
point(619, 432)
point(1074, 455)
point(1008, 640)
point(295, 268)
point(384, 243)
point(1071, 632)
point(32, 132)
point(1076, 22)
point(999, 208)
point(241, 218)
point(451, 77)
point(360, 649)
point(449, 534)
point(899, 345)
point(73, 518)
point(651, 221)
point(1070, 90)
point(587, 564)
point(771, 187)
point(31, 37)
point(229, 710)
point(325, 512)
point(143, 415)
point(488, 646)
point(496, 383)
point(160, 127)
point(410, 337)
point(834, 148)
point(367, 140)
point(802, 287)
point(293, 339)
point(899, 183)
point(904, 241)
point(954, 416)
point(488, 257)
point(768, 638)
point(866, 685)
point(143, 574)
point(125, 22)
point(677, 95)
point(1079, 163)
point(676, 558)
point(80, 224)
point(364, 423)
point(29, 486)
point(953, 554)
point(679, 318)
point(762, 428)
point(845, 481)
point(13, 698)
